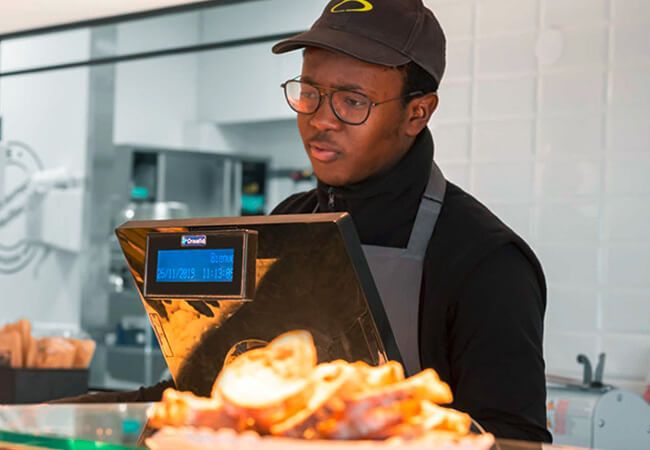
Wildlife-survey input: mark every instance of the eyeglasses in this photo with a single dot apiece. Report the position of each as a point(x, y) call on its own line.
point(350, 107)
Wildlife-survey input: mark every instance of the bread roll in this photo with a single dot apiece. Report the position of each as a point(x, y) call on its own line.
point(11, 349)
point(30, 352)
point(54, 353)
point(270, 384)
point(84, 350)
point(328, 378)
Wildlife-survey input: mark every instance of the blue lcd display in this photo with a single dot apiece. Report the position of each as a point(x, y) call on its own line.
point(195, 266)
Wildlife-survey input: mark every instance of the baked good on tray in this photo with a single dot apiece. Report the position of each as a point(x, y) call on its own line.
point(279, 395)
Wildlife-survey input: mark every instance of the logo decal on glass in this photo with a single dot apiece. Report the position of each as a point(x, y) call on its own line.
point(198, 240)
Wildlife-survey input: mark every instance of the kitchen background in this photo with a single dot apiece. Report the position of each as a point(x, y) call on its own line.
point(544, 116)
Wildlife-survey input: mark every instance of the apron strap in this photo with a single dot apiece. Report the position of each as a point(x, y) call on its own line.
point(427, 216)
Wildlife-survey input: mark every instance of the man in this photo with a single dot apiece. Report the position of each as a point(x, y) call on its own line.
point(464, 294)
point(470, 302)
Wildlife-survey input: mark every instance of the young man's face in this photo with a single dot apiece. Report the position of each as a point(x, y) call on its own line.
point(340, 153)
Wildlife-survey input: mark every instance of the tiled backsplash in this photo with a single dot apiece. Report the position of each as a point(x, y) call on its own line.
point(545, 117)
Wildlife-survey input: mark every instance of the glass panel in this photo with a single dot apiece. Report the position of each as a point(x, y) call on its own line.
point(45, 50)
point(214, 25)
point(158, 33)
point(55, 426)
point(259, 18)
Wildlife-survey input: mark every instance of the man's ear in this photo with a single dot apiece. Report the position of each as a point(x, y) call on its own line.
point(419, 111)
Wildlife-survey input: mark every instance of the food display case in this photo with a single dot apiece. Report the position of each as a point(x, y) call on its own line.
point(123, 426)
point(108, 426)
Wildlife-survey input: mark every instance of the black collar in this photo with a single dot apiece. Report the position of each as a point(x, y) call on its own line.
point(383, 208)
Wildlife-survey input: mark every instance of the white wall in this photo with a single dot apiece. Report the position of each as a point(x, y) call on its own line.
point(47, 111)
point(155, 98)
point(561, 151)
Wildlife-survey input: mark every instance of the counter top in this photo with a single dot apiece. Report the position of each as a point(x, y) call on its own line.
point(106, 426)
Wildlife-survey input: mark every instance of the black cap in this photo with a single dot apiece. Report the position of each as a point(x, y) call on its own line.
point(384, 32)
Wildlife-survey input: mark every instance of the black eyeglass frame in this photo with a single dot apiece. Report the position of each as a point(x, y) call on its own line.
point(325, 91)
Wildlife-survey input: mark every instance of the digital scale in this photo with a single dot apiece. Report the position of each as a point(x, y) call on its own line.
point(589, 413)
point(215, 288)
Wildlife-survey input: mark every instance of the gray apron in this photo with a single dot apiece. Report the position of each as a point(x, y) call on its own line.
point(398, 272)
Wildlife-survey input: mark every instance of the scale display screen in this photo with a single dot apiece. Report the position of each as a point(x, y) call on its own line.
point(219, 264)
point(195, 266)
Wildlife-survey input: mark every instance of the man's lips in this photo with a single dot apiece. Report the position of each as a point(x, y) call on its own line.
point(323, 152)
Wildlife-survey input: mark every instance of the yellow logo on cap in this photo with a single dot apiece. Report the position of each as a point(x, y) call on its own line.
point(362, 6)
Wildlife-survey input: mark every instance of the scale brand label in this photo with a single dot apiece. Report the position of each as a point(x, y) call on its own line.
point(197, 240)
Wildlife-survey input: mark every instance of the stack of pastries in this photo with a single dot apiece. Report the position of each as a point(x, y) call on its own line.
point(280, 392)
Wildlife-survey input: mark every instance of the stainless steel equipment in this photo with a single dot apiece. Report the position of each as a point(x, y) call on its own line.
point(210, 184)
point(590, 414)
point(213, 288)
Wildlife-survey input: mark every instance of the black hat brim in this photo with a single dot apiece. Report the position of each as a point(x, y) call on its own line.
point(359, 47)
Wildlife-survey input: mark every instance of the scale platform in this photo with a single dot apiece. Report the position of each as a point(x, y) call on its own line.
point(214, 288)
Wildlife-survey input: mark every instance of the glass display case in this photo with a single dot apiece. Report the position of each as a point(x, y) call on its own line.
point(88, 426)
point(111, 426)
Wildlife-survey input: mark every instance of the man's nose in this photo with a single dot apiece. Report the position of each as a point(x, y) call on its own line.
point(324, 118)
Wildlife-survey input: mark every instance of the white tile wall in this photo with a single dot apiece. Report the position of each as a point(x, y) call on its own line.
point(571, 134)
point(573, 91)
point(627, 356)
point(507, 55)
point(459, 60)
point(582, 47)
point(497, 181)
point(561, 349)
point(629, 174)
point(572, 310)
point(504, 140)
point(628, 219)
point(452, 142)
point(630, 89)
point(631, 45)
point(505, 97)
point(455, 102)
point(564, 12)
point(632, 10)
point(457, 173)
point(629, 130)
point(569, 264)
point(561, 151)
point(580, 222)
point(568, 179)
point(499, 16)
point(516, 216)
point(625, 311)
point(628, 265)
point(456, 17)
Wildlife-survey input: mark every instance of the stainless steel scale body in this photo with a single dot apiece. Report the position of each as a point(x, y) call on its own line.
point(589, 413)
point(295, 272)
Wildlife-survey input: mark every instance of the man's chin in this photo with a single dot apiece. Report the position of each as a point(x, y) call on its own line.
point(331, 179)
